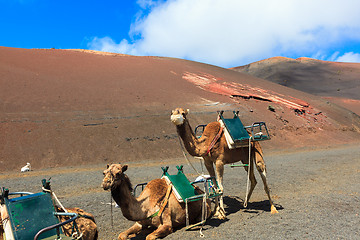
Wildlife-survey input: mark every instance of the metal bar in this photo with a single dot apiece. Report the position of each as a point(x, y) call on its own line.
point(20, 193)
point(239, 165)
point(57, 225)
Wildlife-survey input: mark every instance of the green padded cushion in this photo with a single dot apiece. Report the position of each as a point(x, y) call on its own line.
point(29, 214)
point(236, 129)
point(182, 185)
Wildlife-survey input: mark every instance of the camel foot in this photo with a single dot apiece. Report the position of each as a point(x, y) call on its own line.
point(220, 214)
point(122, 236)
point(151, 237)
point(273, 210)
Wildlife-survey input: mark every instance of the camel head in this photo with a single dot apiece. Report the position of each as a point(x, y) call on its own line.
point(178, 116)
point(114, 174)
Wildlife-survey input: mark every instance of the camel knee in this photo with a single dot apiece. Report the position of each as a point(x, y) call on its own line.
point(162, 231)
point(261, 167)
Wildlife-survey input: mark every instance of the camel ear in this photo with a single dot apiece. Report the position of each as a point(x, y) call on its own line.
point(124, 168)
point(107, 166)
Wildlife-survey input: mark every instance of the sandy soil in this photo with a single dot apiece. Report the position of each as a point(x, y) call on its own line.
point(69, 113)
point(64, 107)
point(316, 193)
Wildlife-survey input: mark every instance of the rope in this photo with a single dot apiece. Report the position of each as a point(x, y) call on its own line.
point(216, 138)
point(76, 235)
point(163, 204)
point(248, 178)
point(57, 200)
point(111, 212)
point(188, 161)
point(204, 211)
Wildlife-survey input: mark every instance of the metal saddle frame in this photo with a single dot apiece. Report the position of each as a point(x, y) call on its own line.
point(33, 215)
point(185, 191)
point(237, 135)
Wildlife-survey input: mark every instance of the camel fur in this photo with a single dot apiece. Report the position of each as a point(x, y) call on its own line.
point(220, 154)
point(149, 202)
point(85, 223)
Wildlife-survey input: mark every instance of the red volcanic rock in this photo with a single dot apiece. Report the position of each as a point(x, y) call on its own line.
point(75, 107)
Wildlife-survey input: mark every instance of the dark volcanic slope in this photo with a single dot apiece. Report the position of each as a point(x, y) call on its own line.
point(322, 78)
point(66, 107)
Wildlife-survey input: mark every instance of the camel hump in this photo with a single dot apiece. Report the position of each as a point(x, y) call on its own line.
point(212, 128)
point(157, 188)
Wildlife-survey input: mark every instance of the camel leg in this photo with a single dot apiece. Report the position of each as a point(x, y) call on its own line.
point(161, 231)
point(220, 213)
point(136, 228)
point(253, 183)
point(260, 166)
point(210, 168)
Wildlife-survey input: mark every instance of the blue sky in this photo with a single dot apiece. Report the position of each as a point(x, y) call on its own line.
point(225, 33)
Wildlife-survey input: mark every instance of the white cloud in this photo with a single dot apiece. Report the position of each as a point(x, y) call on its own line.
point(349, 57)
point(235, 32)
point(106, 44)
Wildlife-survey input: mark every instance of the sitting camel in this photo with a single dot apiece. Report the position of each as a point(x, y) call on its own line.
point(156, 206)
point(85, 223)
point(220, 154)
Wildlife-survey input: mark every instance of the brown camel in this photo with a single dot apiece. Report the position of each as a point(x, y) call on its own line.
point(85, 223)
point(220, 154)
point(143, 208)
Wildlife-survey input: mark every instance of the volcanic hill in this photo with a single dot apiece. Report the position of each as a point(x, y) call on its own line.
point(76, 107)
point(337, 82)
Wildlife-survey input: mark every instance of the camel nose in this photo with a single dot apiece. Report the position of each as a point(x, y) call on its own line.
point(105, 185)
point(177, 119)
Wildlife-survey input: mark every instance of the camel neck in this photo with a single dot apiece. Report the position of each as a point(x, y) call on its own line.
point(188, 137)
point(130, 207)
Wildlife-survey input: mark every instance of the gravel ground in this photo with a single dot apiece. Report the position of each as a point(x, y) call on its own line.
point(316, 193)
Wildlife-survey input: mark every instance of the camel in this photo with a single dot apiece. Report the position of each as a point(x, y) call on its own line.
point(85, 223)
point(157, 196)
point(220, 154)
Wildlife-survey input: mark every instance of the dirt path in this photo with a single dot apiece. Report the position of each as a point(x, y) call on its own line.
point(316, 192)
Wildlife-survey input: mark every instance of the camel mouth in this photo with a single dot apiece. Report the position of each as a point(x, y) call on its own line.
point(177, 119)
point(106, 186)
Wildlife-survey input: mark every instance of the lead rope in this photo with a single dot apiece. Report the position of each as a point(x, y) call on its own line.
point(204, 209)
point(75, 234)
point(111, 212)
point(56, 199)
point(188, 161)
point(248, 178)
